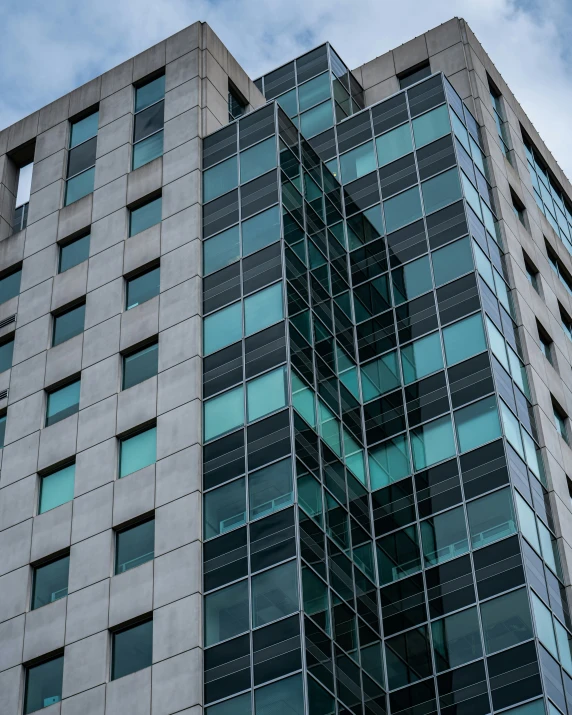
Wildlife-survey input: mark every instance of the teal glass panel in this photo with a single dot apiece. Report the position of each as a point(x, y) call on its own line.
point(506, 621)
point(452, 261)
point(460, 132)
point(394, 144)
point(444, 536)
point(511, 428)
point(263, 309)
point(284, 696)
point(471, 194)
point(132, 649)
point(258, 159)
point(224, 413)
point(549, 547)
point(66, 326)
point(220, 178)
point(431, 126)
point(432, 443)
point(491, 518)
point(357, 162)
point(464, 339)
point(74, 253)
point(260, 231)
point(544, 625)
point(266, 394)
point(148, 149)
point(134, 546)
point(145, 216)
point(334, 167)
point(477, 424)
point(314, 91)
point(222, 328)
point(84, 129)
point(288, 102)
point(235, 706)
point(389, 462)
point(10, 286)
point(140, 366)
point(411, 280)
point(2, 431)
point(527, 523)
point(138, 451)
point(441, 190)
point(315, 597)
point(221, 250)
point(421, 358)
point(304, 400)
point(457, 639)
point(398, 555)
point(274, 594)
point(50, 582)
point(143, 287)
point(402, 209)
point(149, 93)
point(62, 403)
point(44, 684)
point(80, 186)
point(225, 508)
point(329, 428)
point(6, 352)
point(316, 120)
point(226, 613)
point(380, 376)
point(564, 640)
point(57, 488)
point(270, 489)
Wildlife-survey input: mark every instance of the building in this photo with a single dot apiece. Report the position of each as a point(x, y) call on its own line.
point(290, 358)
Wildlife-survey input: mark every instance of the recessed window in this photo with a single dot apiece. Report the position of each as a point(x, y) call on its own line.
point(406, 79)
point(6, 352)
point(132, 649)
point(546, 345)
point(149, 121)
point(68, 324)
point(57, 488)
point(81, 158)
point(74, 253)
point(44, 684)
point(138, 451)
point(20, 219)
point(500, 120)
point(143, 287)
point(50, 582)
point(561, 421)
point(134, 546)
point(62, 403)
point(10, 285)
point(140, 365)
point(566, 322)
point(532, 274)
point(2, 430)
point(226, 613)
point(236, 103)
point(518, 208)
point(145, 216)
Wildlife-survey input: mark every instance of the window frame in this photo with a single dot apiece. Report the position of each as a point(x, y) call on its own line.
point(136, 87)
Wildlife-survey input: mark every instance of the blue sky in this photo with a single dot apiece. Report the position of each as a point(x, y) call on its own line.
point(48, 48)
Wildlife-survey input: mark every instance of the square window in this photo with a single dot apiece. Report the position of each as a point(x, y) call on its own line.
point(457, 639)
point(560, 420)
point(226, 613)
point(134, 546)
point(149, 93)
point(398, 555)
point(477, 424)
point(145, 216)
point(148, 149)
point(431, 125)
point(491, 518)
point(421, 358)
point(222, 328)
point(432, 443)
point(357, 162)
point(225, 508)
point(224, 413)
point(79, 186)
point(441, 190)
point(274, 594)
point(57, 488)
point(221, 250)
point(394, 144)
point(314, 91)
point(270, 489)
point(506, 621)
point(74, 253)
point(63, 403)
point(84, 129)
point(402, 209)
point(142, 287)
point(69, 324)
point(317, 120)
point(546, 345)
point(140, 365)
point(266, 394)
point(464, 339)
point(10, 285)
point(257, 160)
point(263, 309)
point(6, 352)
point(132, 649)
point(138, 451)
point(444, 536)
point(50, 582)
point(220, 178)
point(44, 684)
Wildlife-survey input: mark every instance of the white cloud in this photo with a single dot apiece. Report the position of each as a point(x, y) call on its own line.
point(48, 49)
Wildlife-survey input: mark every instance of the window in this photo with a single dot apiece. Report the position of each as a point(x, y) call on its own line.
point(142, 287)
point(421, 358)
point(236, 103)
point(62, 403)
point(561, 421)
point(57, 488)
point(50, 582)
point(406, 79)
point(566, 322)
point(491, 518)
point(452, 261)
point(411, 280)
point(81, 158)
point(260, 231)
point(270, 488)
point(464, 339)
point(132, 649)
point(149, 120)
point(402, 209)
point(441, 190)
point(222, 328)
point(266, 394)
point(456, 639)
point(225, 508)
point(357, 162)
point(394, 144)
point(68, 324)
point(145, 216)
point(314, 91)
point(431, 125)
point(283, 696)
point(274, 594)
point(140, 365)
point(477, 424)
point(444, 536)
point(389, 462)
point(506, 621)
point(137, 451)
point(10, 285)
point(224, 413)
point(398, 555)
point(74, 253)
point(221, 250)
point(559, 269)
point(531, 274)
point(226, 613)
point(20, 220)
point(518, 208)
point(263, 309)
point(499, 117)
point(44, 684)
point(2, 430)
point(220, 178)
point(317, 120)
point(432, 443)
point(546, 345)
point(134, 546)
point(258, 159)
point(6, 351)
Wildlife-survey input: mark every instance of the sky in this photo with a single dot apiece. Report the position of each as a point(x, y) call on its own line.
point(49, 48)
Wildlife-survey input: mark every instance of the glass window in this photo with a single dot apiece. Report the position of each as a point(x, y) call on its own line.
point(460, 132)
point(471, 195)
point(506, 621)
point(456, 639)
point(44, 684)
point(478, 423)
point(270, 489)
point(260, 231)
point(148, 149)
point(224, 413)
point(263, 309)
point(220, 178)
point(288, 102)
point(444, 536)
point(225, 508)
point(413, 76)
point(258, 159)
point(421, 358)
point(304, 400)
point(283, 696)
point(222, 328)
point(226, 613)
point(389, 462)
point(74, 253)
point(411, 280)
point(274, 594)
point(143, 287)
point(57, 488)
point(266, 394)
point(6, 352)
point(221, 250)
point(402, 209)
point(441, 190)
point(84, 129)
point(393, 144)
point(490, 518)
point(357, 162)
point(2, 430)
point(138, 451)
point(431, 126)
point(316, 120)
point(433, 442)
point(527, 522)
point(69, 324)
point(10, 286)
point(62, 403)
point(314, 91)
point(544, 624)
point(132, 649)
point(240, 705)
point(145, 216)
point(464, 339)
point(452, 261)
point(50, 582)
point(380, 376)
point(140, 366)
point(149, 93)
point(135, 546)
point(80, 186)
point(398, 555)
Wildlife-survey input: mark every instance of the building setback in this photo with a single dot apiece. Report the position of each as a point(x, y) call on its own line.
point(285, 375)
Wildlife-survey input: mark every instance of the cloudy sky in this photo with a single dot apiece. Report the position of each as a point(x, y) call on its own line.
point(48, 48)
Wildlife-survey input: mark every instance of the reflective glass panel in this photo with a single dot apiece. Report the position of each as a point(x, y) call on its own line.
point(132, 649)
point(316, 120)
point(224, 413)
point(490, 518)
point(140, 366)
point(263, 309)
point(421, 358)
point(62, 403)
point(225, 508)
point(6, 352)
point(147, 149)
point(260, 230)
point(143, 287)
point(138, 452)
point(258, 159)
point(506, 621)
point(389, 462)
point(270, 489)
point(357, 162)
point(69, 324)
point(222, 328)
point(444, 536)
point(221, 250)
point(50, 582)
point(452, 261)
point(44, 684)
point(74, 253)
point(226, 613)
point(457, 639)
point(478, 423)
point(464, 339)
point(431, 126)
point(266, 394)
point(274, 594)
point(149, 93)
point(84, 129)
point(402, 209)
point(145, 216)
point(80, 186)
point(57, 488)
point(314, 91)
point(135, 546)
point(441, 190)
point(433, 442)
point(220, 178)
point(393, 144)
